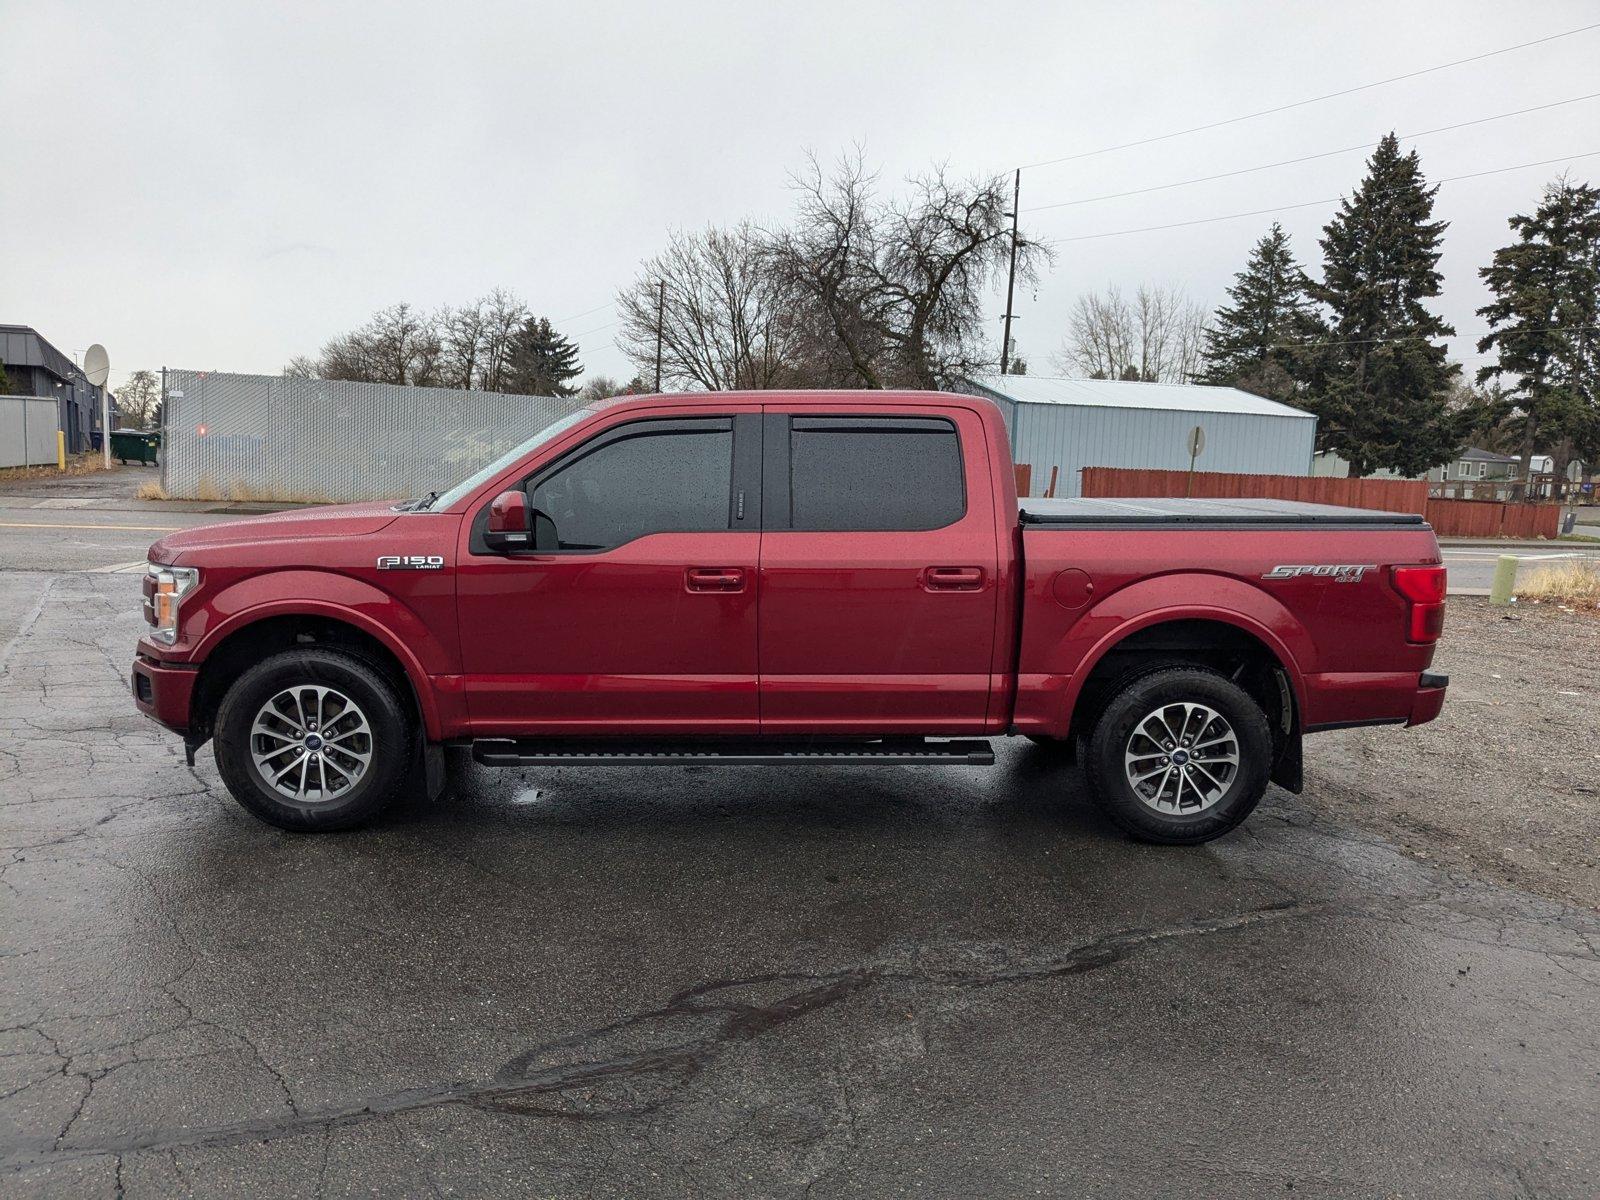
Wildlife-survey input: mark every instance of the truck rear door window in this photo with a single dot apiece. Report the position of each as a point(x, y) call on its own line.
point(676, 478)
point(874, 473)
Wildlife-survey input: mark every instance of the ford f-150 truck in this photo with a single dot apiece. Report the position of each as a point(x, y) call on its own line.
point(777, 577)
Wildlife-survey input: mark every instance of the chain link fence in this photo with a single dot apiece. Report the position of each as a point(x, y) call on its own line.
point(268, 437)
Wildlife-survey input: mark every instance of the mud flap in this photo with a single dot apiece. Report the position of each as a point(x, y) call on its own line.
point(1289, 771)
point(433, 768)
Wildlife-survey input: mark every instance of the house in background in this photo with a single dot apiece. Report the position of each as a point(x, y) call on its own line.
point(1059, 426)
point(36, 368)
point(1474, 464)
point(1479, 474)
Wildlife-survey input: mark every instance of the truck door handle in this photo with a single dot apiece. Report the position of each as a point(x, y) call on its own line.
point(714, 579)
point(952, 579)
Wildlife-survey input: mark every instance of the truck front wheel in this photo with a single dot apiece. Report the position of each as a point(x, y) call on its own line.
point(313, 739)
point(1179, 756)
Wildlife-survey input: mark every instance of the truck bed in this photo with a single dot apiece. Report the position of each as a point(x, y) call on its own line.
point(1177, 513)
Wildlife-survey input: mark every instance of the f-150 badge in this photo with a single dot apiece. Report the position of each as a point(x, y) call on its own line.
point(1338, 572)
point(410, 562)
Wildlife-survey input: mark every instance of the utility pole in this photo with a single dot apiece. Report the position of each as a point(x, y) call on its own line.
point(1011, 278)
point(661, 309)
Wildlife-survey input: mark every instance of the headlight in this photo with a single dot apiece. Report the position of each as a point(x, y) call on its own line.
point(164, 590)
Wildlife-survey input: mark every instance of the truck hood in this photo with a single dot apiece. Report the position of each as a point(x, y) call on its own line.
point(334, 520)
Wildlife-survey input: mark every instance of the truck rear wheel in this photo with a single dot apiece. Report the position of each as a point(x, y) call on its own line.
point(1179, 756)
point(313, 739)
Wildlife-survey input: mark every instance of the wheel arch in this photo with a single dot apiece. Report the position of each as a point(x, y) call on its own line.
point(257, 633)
point(1228, 642)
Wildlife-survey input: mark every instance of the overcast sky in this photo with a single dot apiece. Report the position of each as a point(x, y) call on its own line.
point(223, 186)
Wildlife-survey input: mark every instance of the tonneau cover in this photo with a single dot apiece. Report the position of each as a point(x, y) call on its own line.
point(1229, 513)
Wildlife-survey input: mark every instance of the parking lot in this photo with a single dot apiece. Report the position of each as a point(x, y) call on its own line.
point(826, 981)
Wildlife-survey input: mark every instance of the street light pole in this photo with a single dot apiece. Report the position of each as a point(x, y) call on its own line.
point(1011, 277)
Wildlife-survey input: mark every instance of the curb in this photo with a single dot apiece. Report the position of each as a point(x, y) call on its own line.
point(1537, 547)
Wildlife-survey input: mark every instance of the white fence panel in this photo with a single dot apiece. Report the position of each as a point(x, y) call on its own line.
point(267, 437)
point(28, 430)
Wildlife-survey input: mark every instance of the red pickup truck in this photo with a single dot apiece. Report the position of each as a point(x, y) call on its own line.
point(776, 577)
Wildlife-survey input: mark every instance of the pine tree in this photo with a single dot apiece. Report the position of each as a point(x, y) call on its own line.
point(1542, 321)
point(1248, 341)
point(542, 361)
point(1375, 371)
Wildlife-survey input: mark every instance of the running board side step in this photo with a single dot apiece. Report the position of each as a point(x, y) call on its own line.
point(549, 752)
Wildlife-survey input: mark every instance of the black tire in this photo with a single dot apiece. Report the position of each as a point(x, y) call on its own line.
point(1126, 710)
point(390, 745)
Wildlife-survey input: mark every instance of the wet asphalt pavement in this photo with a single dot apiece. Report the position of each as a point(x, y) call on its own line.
point(698, 981)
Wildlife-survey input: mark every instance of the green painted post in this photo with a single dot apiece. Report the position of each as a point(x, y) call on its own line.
point(1505, 580)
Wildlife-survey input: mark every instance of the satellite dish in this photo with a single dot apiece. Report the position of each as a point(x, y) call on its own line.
point(97, 365)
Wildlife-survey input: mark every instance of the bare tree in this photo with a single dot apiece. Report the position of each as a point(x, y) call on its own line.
point(467, 347)
point(398, 345)
point(894, 290)
point(139, 398)
point(1158, 337)
point(603, 387)
point(722, 318)
point(461, 337)
point(503, 316)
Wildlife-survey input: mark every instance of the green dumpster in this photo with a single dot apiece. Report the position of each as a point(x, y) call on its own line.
point(133, 444)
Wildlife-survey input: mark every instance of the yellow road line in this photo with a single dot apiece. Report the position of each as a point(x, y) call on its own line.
point(130, 528)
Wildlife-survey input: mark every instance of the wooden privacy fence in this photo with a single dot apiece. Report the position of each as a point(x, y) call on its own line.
point(1387, 495)
point(1490, 518)
point(1449, 518)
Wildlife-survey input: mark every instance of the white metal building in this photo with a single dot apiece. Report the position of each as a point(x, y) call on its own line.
point(1070, 424)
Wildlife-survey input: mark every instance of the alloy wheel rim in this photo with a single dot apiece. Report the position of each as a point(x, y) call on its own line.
point(311, 744)
point(1181, 758)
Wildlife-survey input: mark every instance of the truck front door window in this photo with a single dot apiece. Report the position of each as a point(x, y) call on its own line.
point(672, 481)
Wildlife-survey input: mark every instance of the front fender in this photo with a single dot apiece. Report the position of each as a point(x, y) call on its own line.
point(1055, 672)
point(333, 596)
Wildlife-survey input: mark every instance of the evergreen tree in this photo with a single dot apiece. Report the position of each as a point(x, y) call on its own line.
point(1248, 341)
point(1375, 371)
point(1542, 326)
point(542, 361)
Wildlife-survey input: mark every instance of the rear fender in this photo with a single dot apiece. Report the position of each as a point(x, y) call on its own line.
point(1179, 597)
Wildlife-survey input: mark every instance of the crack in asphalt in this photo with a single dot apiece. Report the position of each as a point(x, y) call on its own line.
point(718, 1017)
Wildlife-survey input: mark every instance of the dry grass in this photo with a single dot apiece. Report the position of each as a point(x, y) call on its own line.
point(77, 464)
point(1574, 584)
point(151, 490)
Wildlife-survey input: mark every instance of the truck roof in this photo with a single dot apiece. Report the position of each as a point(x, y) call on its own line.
point(1228, 513)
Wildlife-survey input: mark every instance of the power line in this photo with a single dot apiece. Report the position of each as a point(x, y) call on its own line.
point(1266, 112)
point(1287, 162)
point(1257, 212)
point(586, 312)
point(596, 329)
point(1424, 338)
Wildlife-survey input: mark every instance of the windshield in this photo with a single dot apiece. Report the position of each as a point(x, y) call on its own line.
point(484, 474)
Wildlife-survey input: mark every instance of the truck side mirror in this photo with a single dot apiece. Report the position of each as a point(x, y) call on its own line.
point(509, 523)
